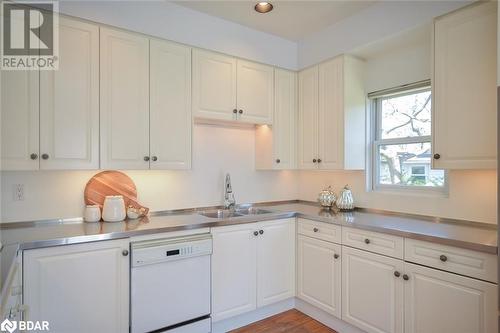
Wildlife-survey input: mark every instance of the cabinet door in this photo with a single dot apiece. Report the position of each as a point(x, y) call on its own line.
point(255, 92)
point(170, 100)
point(69, 100)
point(437, 301)
point(331, 115)
point(20, 120)
point(372, 296)
point(214, 85)
point(67, 285)
point(234, 265)
point(308, 118)
point(275, 261)
point(285, 118)
point(319, 274)
point(124, 100)
point(464, 88)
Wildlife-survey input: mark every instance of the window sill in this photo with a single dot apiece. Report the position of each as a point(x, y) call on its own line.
point(413, 192)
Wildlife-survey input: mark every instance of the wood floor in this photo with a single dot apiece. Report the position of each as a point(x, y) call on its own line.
point(291, 321)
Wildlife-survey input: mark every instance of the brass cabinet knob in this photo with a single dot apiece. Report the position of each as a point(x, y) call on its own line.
point(443, 258)
point(367, 241)
point(255, 233)
point(437, 156)
point(146, 158)
point(240, 111)
point(125, 253)
point(235, 111)
point(261, 231)
point(397, 274)
point(406, 277)
point(45, 156)
point(315, 229)
point(34, 156)
point(278, 160)
point(154, 158)
point(314, 160)
point(319, 160)
point(336, 256)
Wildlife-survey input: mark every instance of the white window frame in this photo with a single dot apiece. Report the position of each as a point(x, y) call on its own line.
point(375, 103)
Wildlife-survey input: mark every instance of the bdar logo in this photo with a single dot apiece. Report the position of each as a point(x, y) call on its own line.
point(8, 326)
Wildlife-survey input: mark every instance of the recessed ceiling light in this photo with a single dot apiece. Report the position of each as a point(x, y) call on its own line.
point(263, 7)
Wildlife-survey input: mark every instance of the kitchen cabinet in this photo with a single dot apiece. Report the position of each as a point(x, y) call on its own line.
point(319, 274)
point(20, 120)
point(275, 146)
point(372, 291)
point(214, 85)
point(78, 288)
point(69, 100)
point(124, 99)
point(234, 267)
point(170, 105)
point(275, 261)
point(255, 92)
point(464, 97)
point(225, 88)
point(437, 301)
point(332, 115)
point(252, 266)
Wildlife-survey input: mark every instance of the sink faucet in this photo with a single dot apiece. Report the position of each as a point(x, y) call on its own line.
point(229, 201)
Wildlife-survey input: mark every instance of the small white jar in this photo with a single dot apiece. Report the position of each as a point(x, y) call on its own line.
point(114, 209)
point(92, 213)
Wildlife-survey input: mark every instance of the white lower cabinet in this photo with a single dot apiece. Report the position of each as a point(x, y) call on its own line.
point(319, 274)
point(78, 288)
point(372, 294)
point(252, 266)
point(441, 302)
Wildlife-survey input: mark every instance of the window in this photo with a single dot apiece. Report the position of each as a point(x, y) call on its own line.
point(402, 139)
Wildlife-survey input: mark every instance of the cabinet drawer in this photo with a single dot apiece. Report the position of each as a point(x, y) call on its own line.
point(466, 262)
point(320, 230)
point(388, 245)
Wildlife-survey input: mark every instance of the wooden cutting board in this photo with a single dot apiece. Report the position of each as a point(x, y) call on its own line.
point(111, 183)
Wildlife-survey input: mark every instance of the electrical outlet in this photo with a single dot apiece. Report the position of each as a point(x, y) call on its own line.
point(18, 192)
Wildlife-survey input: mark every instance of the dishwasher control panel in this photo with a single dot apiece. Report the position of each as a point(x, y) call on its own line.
point(161, 250)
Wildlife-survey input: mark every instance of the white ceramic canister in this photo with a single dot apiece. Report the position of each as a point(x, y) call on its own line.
point(92, 213)
point(113, 209)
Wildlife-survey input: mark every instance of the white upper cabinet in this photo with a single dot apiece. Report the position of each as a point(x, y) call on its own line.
point(225, 88)
point(69, 101)
point(68, 285)
point(464, 88)
point(124, 100)
point(332, 115)
point(255, 92)
point(170, 105)
point(437, 301)
point(20, 120)
point(214, 85)
point(308, 118)
point(275, 146)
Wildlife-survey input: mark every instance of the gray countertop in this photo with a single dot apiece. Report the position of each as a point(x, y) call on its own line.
point(22, 236)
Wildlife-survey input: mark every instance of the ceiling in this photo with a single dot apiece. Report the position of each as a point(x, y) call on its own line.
point(292, 20)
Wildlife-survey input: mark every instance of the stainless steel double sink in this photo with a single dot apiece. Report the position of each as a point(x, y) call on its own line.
point(228, 213)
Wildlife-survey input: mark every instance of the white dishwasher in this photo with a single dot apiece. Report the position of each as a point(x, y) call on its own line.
point(170, 285)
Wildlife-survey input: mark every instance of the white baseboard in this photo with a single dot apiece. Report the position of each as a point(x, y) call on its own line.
point(229, 324)
point(323, 317)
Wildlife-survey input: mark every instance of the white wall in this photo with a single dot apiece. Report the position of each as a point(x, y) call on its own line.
point(374, 23)
point(173, 22)
point(216, 150)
